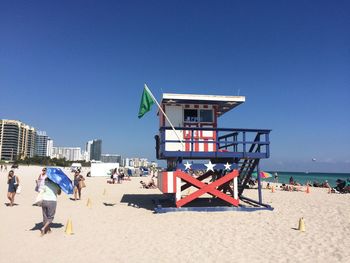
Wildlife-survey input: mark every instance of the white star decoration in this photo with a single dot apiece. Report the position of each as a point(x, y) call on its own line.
point(210, 166)
point(227, 166)
point(187, 166)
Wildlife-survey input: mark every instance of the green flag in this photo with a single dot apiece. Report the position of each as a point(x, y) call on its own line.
point(146, 102)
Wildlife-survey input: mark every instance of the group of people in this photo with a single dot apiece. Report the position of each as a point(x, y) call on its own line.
point(48, 191)
point(118, 175)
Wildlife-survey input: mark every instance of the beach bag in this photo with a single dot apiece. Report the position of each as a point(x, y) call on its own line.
point(82, 184)
point(39, 199)
point(17, 186)
point(18, 189)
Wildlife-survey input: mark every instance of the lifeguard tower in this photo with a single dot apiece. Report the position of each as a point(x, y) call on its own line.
point(227, 157)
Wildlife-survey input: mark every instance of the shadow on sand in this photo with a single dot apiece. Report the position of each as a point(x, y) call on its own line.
point(38, 226)
point(109, 204)
point(145, 201)
point(8, 204)
point(150, 201)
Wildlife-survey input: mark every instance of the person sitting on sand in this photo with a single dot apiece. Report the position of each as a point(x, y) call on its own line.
point(316, 184)
point(291, 180)
point(287, 187)
point(251, 182)
point(150, 184)
point(326, 184)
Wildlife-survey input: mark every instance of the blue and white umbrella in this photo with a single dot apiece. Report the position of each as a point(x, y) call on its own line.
point(57, 176)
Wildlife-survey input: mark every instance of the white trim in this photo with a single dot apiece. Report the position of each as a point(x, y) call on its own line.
point(204, 97)
point(178, 188)
point(235, 188)
point(170, 182)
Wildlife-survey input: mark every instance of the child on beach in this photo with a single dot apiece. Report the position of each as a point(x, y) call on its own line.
point(13, 182)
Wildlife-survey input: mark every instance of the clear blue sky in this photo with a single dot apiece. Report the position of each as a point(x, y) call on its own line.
point(76, 70)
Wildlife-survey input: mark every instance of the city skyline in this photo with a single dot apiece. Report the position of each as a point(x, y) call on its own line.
point(89, 62)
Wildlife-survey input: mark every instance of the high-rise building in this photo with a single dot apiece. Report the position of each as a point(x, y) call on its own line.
point(96, 150)
point(49, 147)
point(17, 140)
point(41, 140)
point(88, 151)
point(70, 153)
point(111, 158)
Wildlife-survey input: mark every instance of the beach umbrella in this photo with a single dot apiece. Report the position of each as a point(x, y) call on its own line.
point(262, 175)
point(57, 176)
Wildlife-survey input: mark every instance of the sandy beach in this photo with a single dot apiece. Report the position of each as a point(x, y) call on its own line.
point(120, 226)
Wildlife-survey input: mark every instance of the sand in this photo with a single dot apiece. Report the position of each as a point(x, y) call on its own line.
point(121, 227)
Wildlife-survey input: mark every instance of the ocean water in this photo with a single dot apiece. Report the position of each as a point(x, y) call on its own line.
point(302, 178)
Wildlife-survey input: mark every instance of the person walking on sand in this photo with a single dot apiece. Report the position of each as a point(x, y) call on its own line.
point(40, 182)
point(13, 182)
point(49, 204)
point(78, 184)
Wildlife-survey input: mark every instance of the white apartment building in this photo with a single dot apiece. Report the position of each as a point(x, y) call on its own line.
point(87, 152)
point(70, 153)
point(49, 147)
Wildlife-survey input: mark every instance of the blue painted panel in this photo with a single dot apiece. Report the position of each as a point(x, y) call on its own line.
point(231, 143)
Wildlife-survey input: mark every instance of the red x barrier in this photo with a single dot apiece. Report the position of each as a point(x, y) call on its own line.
point(206, 188)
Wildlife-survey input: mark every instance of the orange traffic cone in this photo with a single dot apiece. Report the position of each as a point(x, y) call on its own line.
point(308, 189)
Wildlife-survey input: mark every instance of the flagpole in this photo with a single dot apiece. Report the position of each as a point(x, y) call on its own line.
point(160, 108)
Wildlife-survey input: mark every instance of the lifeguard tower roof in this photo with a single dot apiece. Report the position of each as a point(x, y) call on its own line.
point(224, 103)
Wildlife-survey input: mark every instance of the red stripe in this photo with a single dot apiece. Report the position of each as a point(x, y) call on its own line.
point(187, 138)
point(196, 145)
point(214, 139)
